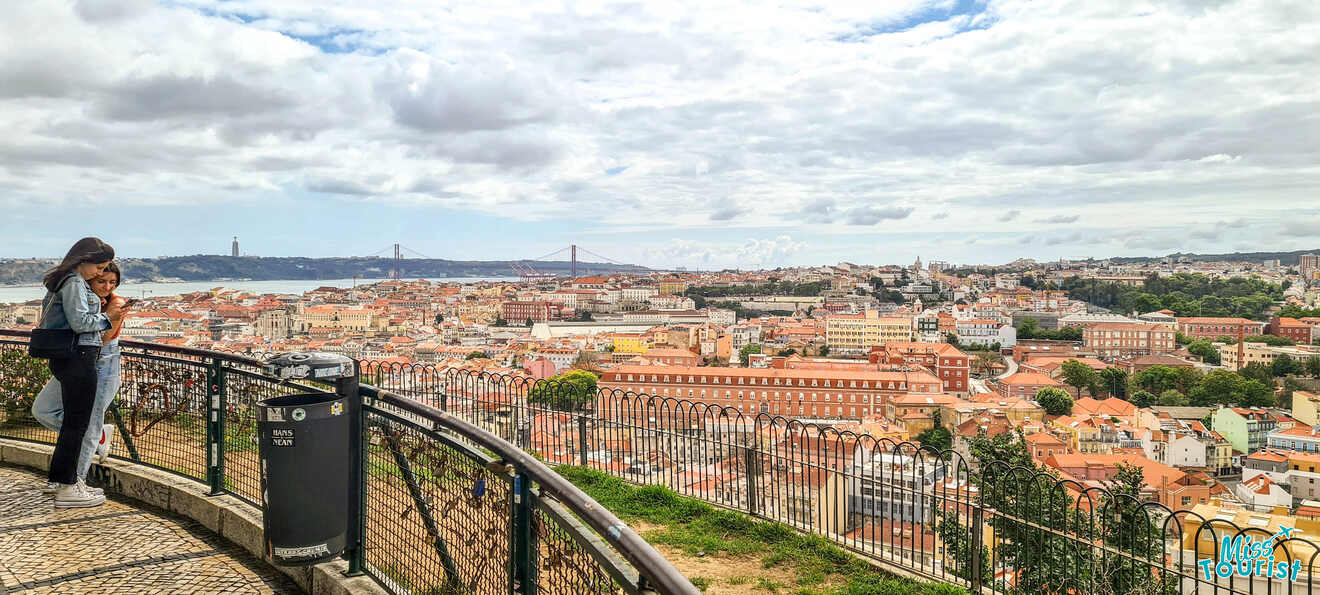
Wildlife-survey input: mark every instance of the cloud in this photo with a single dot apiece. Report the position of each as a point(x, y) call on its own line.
point(726, 213)
point(1010, 215)
point(1059, 219)
point(939, 216)
point(768, 252)
point(873, 215)
point(1220, 229)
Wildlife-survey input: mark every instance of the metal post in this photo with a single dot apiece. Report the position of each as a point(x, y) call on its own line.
point(582, 440)
point(215, 427)
point(524, 572)
point(977, 531)
point(750, 467)
point(357, 509)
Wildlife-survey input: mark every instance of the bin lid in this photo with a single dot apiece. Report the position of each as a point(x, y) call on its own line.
point(316, 365)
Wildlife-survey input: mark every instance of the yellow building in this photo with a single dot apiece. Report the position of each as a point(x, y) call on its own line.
point(1306, 407)
point(630, 344)
point(352, 319)
point(856, 334)
point(671, 286)
point(1260, 353)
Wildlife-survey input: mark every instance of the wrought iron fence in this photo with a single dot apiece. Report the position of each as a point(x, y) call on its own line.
point(1005, 526)
point(448, 507)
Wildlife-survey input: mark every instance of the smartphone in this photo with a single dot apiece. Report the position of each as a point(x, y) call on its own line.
point(128, 302)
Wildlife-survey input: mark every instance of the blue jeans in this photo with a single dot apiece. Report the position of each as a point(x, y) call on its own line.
point(48, 407)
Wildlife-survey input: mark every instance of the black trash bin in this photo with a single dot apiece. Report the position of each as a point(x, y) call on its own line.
point(305, 476)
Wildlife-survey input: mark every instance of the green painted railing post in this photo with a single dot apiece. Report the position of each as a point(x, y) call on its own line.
point(357, 559)
point(215, 427)
point(522, 544)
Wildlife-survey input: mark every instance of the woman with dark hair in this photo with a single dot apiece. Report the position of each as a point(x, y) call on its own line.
point(71, 304)
point(48, 407)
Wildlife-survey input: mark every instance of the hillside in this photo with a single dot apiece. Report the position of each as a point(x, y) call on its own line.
point(1284, 258)
point(214, 267)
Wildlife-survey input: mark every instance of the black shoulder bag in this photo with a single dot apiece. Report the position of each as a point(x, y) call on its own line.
point(52, 343)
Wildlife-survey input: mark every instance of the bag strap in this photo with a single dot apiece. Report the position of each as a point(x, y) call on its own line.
point(46, 309)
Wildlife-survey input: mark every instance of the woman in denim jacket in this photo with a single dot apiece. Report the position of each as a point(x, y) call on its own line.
point(70, 304)
point(48, 408)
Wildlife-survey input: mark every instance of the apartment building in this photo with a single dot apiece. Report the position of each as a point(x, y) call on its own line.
point(986, 332)
point(1245, 429)
point(1210, 327)
point(1292, 328)
point(1118, 339)
point(856, 334)
point(1261, 353)
point(950, 364)
point(815, 393)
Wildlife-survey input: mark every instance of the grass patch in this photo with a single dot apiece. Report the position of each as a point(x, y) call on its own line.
point(697, 528)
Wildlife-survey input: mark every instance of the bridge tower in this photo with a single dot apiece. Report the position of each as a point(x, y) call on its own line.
point(397, 269)
point(574, 247)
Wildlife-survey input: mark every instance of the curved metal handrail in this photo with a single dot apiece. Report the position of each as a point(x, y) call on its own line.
point(636, 550)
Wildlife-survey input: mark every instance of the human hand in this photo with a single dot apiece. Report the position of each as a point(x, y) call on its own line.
point(114, 311)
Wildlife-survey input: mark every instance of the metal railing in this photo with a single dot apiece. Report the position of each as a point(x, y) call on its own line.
point(988, 521)
point(448, 507)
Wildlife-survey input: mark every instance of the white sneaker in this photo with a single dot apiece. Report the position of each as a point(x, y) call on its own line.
point(50, 487)
point(107, 441)
point(76, 495)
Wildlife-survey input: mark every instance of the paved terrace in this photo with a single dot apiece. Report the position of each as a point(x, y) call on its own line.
point(115, 548)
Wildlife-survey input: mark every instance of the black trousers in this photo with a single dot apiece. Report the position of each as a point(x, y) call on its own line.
point(77, 376)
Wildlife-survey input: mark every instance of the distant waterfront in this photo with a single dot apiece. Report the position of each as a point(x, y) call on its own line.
point(150, 289)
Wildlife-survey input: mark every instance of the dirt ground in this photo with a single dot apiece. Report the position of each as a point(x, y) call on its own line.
point(729, 575)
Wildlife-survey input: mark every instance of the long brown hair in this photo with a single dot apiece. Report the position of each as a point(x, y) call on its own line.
point(84, 250)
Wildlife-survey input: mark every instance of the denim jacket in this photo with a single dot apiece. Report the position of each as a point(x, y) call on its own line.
point(75, 307)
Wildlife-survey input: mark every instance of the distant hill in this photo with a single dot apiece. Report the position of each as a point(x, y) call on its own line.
point(1284, 258)
point(214, 267)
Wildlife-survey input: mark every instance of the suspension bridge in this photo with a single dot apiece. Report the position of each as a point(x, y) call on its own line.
point(524, 268)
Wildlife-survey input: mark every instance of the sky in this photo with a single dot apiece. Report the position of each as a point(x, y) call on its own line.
point(706, 135)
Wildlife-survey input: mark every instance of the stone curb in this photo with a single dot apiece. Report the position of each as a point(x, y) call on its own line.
point(224, 515)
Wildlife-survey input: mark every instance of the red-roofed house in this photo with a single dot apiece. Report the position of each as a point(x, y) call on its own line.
point(1025, 385)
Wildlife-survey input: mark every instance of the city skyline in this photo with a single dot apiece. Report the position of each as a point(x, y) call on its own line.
point(707, 137)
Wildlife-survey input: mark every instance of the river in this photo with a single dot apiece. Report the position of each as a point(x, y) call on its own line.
point(12, 294)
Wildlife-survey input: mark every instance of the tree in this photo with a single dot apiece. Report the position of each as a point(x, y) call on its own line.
point(1143, 399)
point(21, 378)
point(528, 323)
point(1283, 366)
point(937, 437)
point(439, 318)
point(1205, 350)
point(500, 321)
point(1129, 526)
point(570, 391)
point(1156, 379)
point(1257, 371)
point(1173, 398)
point(1115, 381)
point(476, 355)
point(746, 350)
point(1313, 366)
point(1055, 401)
point(1222, 387)
point(1079, 375)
